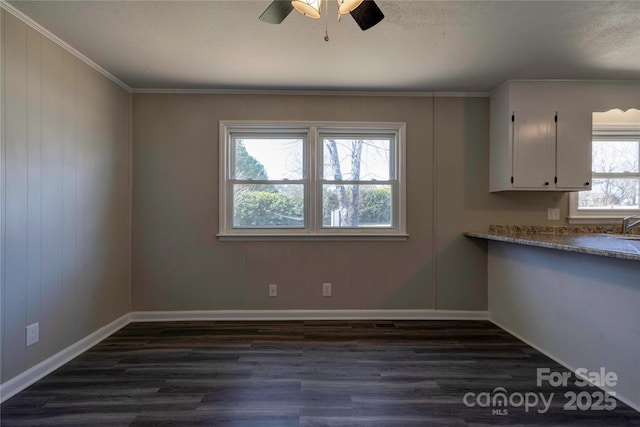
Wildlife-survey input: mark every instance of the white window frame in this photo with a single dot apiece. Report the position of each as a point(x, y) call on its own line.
point(313, 180)
point(604, 216)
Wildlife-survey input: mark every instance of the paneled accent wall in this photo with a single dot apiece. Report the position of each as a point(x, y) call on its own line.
point(179, 264)
point(66, 198)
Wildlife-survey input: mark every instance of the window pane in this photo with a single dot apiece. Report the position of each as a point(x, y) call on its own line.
point(266, 159)
point(353, 159)
point(615, 156)
point(611, 193)
point(350, 206)
point(257, 206)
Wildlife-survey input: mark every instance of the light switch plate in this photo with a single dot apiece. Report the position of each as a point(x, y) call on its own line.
point(553, 214)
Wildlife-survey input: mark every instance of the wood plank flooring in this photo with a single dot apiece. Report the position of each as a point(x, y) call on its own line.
point(300, 373)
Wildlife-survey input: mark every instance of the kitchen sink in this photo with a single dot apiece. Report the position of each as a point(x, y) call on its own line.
point(629, 243)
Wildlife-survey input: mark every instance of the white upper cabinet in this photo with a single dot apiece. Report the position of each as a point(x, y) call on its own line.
point(533, 140)
point(541, 131)
point(551, 150)
point(573, 150)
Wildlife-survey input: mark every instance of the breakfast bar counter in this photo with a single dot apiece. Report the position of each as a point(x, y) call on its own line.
point(571, 292)
point(601, 241)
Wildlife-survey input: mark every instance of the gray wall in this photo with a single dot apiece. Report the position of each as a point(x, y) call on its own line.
point(66, 198)
point(66, 206)
point(178, 263)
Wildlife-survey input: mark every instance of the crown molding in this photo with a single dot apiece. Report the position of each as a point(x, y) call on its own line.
point(461, 94)
point(297, 92)
point(628, 81)
point(48, 34)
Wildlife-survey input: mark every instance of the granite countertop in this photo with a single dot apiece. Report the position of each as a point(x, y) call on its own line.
point(593, 240)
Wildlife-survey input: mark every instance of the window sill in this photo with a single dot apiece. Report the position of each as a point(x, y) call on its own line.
point(322, 237)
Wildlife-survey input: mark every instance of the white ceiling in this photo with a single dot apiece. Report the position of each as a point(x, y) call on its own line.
point(419, 46)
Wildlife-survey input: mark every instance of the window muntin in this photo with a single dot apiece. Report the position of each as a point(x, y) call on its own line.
point(311, 179)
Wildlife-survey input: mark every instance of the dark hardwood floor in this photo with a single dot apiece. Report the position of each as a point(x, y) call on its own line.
point(311, 373)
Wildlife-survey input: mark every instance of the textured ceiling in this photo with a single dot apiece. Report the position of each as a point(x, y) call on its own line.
point(419, 46)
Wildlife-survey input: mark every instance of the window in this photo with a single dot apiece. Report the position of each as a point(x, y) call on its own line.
point(267, 198)
point(302, 180)
point(615, 187)
point(615, 175)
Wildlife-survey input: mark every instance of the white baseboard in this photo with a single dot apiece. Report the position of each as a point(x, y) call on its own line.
point(35, 373)
point(623, 399)
point(164, 316)
point(44, 368)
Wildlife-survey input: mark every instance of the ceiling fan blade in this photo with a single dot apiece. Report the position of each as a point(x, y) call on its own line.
point(367, 14)
point(276, 12)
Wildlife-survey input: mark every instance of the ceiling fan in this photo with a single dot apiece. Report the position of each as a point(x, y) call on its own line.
point(366, 13)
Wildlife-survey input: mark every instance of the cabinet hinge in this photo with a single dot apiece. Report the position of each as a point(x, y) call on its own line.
point(513, 117)
point(512, 180)
point(555, 180)
point(555, 118)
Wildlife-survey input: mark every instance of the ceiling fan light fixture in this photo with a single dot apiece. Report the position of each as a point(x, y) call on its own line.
point(310, 8)
point(346, 6)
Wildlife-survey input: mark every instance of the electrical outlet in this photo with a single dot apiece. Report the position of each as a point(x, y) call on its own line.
point(273, 290)
point(553, 214)
point(326, 289)
point(33, 334)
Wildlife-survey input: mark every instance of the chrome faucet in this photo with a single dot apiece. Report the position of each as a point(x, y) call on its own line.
point(627, 226)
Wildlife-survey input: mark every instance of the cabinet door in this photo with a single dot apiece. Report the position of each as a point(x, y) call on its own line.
point(573, 150)
point(533, 142)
